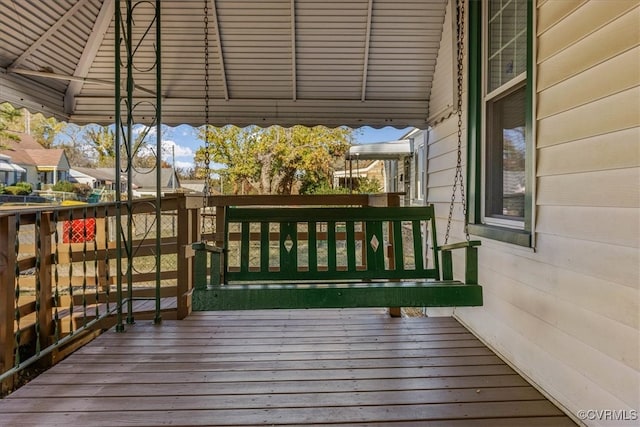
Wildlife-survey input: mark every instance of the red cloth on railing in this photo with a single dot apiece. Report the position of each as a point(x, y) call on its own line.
point(74, 231)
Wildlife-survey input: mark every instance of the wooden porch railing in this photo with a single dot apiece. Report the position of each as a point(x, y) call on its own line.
point(58, 267)
point(58, 273)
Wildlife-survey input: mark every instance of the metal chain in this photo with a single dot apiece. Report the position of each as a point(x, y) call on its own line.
point(207, 154)
point(207, 158)
point(459, 179)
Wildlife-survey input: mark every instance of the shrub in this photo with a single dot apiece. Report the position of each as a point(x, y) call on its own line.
point(368, 186)
point(16, 191)
point(25, 185)
point(82, 190)
point(324, 188)
point(65, 186)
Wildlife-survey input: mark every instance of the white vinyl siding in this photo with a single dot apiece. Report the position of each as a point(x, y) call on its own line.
point(567, 315)
point(443, 96)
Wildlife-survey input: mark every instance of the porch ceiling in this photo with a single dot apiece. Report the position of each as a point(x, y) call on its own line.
point(350, 62)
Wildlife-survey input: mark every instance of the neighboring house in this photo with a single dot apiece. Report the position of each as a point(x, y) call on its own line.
point(198, 186)
point(371, 169)
point(78, 177)
point(98, 178)
point(391, 163)
point(143, 180)
point(43, 166)
point(193, 185)
point(10, 173)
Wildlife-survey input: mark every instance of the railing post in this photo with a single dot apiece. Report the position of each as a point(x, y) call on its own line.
point(187, 227)
point(219, 239)
point(101, 242)
point(44, 314)
point(7, 297)
point(220, 226)
point(200, 268)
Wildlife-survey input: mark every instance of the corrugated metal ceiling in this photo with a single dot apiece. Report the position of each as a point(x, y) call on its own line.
point(351, 62)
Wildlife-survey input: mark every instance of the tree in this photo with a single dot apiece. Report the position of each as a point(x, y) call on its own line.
point(77, 150)
point(45, 130)
point(145, 145)
point(102, 140)
point(233, 147)
point(148, 161)
point(8, 117)
point(368, 185)
point(274, 160)
point(186, 173)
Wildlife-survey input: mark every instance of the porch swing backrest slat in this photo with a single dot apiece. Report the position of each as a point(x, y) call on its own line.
point(357, 241)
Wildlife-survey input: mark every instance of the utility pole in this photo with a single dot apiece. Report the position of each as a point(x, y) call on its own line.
point(358, 169)
point(27, 122)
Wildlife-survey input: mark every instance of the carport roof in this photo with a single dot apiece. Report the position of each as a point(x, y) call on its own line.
point(287, 62)
point(381, 150)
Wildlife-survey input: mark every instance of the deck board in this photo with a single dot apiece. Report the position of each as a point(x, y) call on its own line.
point(297, 367)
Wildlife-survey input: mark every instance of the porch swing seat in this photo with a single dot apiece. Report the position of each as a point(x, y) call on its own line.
point(337, 257)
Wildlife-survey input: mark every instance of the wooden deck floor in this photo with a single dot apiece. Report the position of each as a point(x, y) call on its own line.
point(313, 367)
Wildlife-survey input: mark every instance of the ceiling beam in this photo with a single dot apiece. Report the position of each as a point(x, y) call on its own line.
point(56, 76)
point(273, 105)
point(78, 79)
point(91, 48)
point(294, 67)
point(36, 45)
point(365, 63)
point(223, 73)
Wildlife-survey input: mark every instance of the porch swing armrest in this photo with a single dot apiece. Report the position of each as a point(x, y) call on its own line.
point(471, 260)
point(460, 245)
point(201, 270)
point(208, 247)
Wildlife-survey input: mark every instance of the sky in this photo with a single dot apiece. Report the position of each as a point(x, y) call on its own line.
point(184, 141)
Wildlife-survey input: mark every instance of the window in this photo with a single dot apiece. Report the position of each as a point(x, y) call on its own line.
point(500, 117)
point(505, 158)
point(506, 44)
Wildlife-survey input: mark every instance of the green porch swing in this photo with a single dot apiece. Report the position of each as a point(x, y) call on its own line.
point(334, 257)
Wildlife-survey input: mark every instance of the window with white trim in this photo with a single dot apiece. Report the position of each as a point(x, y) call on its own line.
point(500, 120)
point(505, 112)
